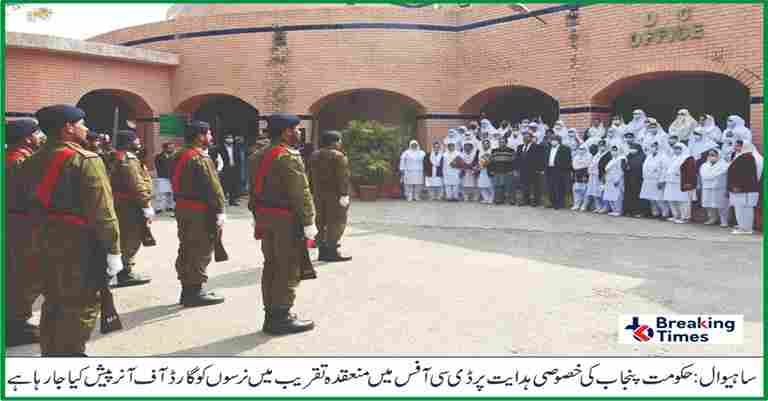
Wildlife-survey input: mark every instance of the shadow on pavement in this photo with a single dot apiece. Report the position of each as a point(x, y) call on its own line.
point(686, 276)
point(235, 279)
point(226, 347)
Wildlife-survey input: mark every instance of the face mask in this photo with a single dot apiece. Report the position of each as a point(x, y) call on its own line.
point(602, 148)
point(554, 143)
point(614, 152)
point(632, 151)
point(678, 152)
point(229, 141)
point(653, 130)
point(696, 138)
point(712, 160)
point(731, 124)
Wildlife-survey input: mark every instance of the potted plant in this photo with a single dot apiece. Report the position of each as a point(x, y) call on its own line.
point(370, 148)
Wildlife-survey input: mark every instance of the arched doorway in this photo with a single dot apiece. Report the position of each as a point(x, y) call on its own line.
point(335, 111)
point(662, 94)
point(107, 110)
point(225, 113)
point(512, 103)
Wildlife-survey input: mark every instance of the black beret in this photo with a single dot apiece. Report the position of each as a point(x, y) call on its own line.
point(17, 130)
point(281, 121)
point(125, 138)
point(202, 125)
point(54, 116)
point(330, 137)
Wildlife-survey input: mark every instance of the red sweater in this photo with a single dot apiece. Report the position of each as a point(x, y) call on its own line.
point(742, 175)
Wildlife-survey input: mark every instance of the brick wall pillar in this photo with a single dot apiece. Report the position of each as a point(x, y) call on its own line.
point(756, 125)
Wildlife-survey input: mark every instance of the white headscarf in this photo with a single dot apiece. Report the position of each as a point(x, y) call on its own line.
point(678, 160)
point(571, 139)
point(560, 129)
point(683, 125)
point(414, 152)
point(699, 147)
point(452, 137)
point(748, 147)
point(581, 158)
point(709, 171)
point(711, 130)
point(598, 131)
point(637, 125)
point(736, 126)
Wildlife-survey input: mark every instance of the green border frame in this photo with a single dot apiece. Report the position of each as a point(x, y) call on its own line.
point(585, 2)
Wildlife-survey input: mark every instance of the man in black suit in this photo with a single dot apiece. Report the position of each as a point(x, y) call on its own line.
point(558, 171)
point(230, 174)
point(531, 167)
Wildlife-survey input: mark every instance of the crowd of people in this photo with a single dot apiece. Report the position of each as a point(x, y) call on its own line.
point(633, 169)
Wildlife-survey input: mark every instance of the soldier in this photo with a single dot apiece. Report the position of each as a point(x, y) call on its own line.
point(132, 189)
point(199, 213)
point(69, 189)
point(23, 283)
point(94, 142)
point(330, 186)
point(282, 205)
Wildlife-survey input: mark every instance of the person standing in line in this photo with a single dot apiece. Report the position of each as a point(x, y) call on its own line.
point(714, 188)
point(412, 170)
point(469, 173)
point(595, 186)
point(680, 183)
point(744, 176)
point(330, 187)
point(633, 180)
point(433, 172)
point(230, 173)
point(652, 190)
point(281, 203)
point(200, 214)
point(505, 171)
point(484, 181)
point(79, 236)
point(558, 169)
point(531, 167)
point(163, 167)
point(614, 181)
point(23, 283)
point(581, 162)
point(451, 173)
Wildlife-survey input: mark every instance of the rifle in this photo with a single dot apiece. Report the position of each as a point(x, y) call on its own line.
point(147, 239)
point(216, 233)
point(97, 279)
point(308, 271)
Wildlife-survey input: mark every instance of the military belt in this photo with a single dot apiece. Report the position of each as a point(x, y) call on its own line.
point(67, 218)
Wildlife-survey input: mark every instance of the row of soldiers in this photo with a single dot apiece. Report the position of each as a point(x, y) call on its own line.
point(76, 223)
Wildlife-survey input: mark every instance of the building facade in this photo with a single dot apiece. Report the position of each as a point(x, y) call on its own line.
point(433, 68)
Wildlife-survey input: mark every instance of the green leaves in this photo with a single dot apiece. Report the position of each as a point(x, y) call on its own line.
point(371, 149)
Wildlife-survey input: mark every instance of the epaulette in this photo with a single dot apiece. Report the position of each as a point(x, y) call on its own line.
point(83, 152)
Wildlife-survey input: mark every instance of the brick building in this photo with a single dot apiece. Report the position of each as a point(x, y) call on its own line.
point(423, 67)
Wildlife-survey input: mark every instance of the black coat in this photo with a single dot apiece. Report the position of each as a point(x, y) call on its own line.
point(222, 150)
point(562, 158)
point(531, 162)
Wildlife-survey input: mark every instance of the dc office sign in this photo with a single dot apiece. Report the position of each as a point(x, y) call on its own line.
point(681, 329)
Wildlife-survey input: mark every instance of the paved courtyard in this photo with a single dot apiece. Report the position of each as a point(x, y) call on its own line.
point(462, 279)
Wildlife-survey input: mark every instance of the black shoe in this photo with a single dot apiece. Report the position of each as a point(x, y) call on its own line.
point(21, 333)
point(278, 321)
point(192, 296)
point(334, 256)
point(322, 252)
point(130, 279)
point(308, 274)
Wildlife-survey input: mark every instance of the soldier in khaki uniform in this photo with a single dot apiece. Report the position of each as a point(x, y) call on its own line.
point(132, 189)
point(23, 283)
point(281, 203)
point(68, 188)
point(330, 185)
point(199, 213)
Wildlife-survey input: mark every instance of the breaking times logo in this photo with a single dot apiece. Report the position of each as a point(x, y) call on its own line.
point(681, 329)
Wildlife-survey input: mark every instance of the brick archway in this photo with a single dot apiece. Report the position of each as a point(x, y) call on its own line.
point(600, 93)
point(545, 104)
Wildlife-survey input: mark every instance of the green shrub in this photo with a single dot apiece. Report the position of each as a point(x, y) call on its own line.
point(371, 149)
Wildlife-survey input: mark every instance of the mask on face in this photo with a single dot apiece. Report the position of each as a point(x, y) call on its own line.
point(601, 149)
point(678, 151)
point(614, 152)
point(712, 159)
point(731, 123)
point(697, 138)
point(632, 151)
point(229, 141)
point(653, 130)
point(554, 143)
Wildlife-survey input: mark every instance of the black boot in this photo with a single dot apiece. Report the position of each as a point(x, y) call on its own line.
point(21, 333)
point(279, 321)
point(322, 251)
point(130, 279)
point(194, 295)
point(334, 256)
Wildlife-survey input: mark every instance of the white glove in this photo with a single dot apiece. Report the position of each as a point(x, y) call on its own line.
point(114, 264)
point(220, 219)
point(149, 212)
point(344, 201)
point(310, 231)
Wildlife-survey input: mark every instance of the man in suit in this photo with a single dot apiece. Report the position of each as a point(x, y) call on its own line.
point(558, 171)
point(230, 174)
point(531, 167)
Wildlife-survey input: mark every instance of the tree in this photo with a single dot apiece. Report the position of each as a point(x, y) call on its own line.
point(34, 14)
